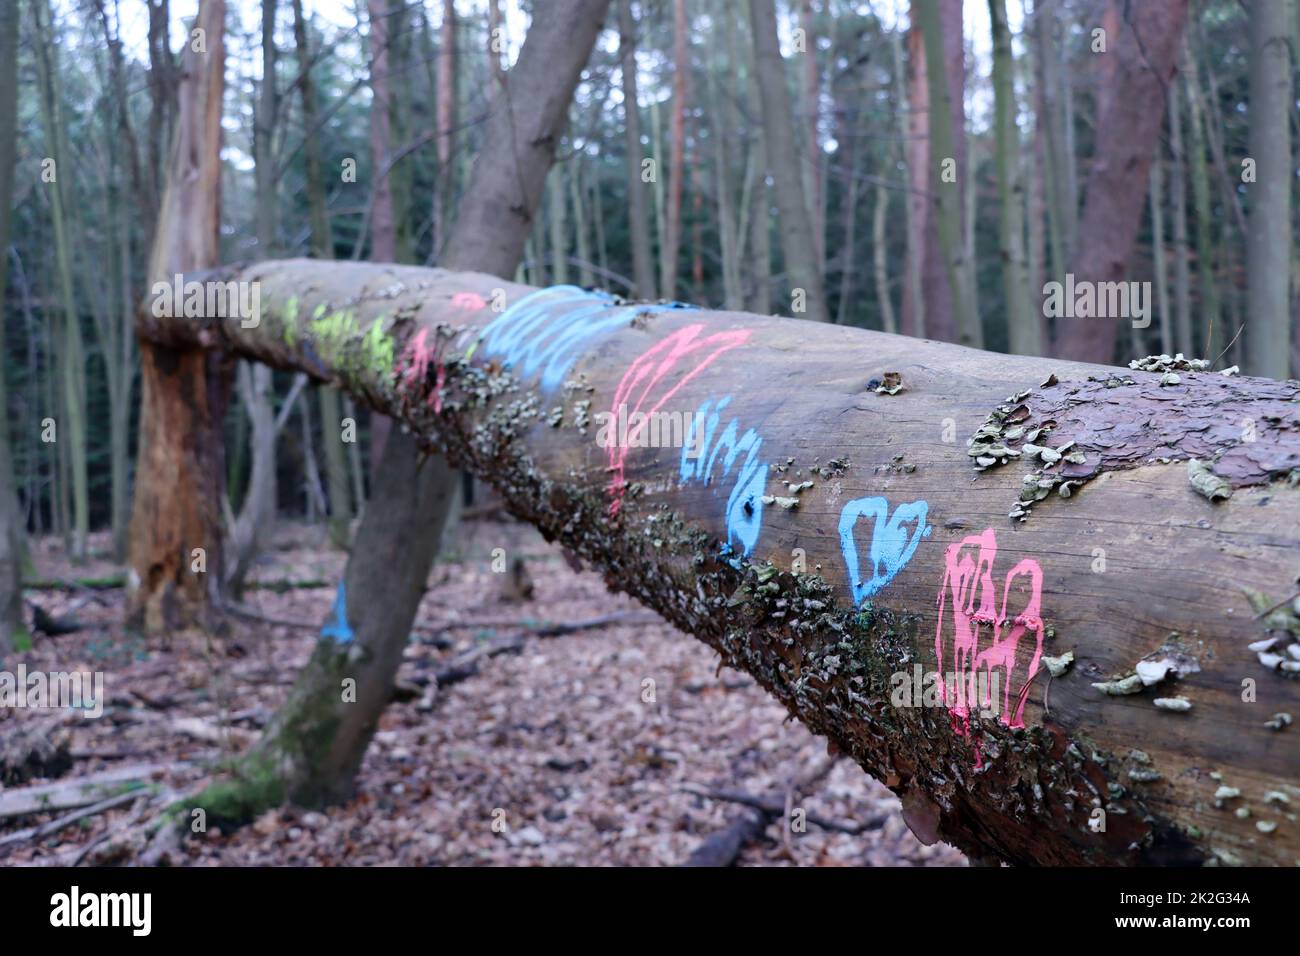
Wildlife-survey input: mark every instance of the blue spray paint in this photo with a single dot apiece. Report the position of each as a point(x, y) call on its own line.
point(546, 329)
point(892, 544)
point(338, 628)
point(745, 503)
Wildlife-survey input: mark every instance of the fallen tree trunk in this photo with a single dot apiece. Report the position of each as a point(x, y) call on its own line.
point(821, 520)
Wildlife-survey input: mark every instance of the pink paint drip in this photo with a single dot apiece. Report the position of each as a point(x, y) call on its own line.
point(418, 356)
point(978, 637)
point(647, 373)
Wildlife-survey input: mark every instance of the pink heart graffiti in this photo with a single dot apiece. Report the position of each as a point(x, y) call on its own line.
point(983, 639)
point(648, 373)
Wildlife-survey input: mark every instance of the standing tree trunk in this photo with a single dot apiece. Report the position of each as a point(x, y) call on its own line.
point(945, 73)
point(446, 119)
point(256, 521)
point(1159, 267)
point(1210, 338)
point(1268, 243)
point(1024, 329)
point(798, 246)
point(1130, 111)
point(383, 225)
point(175, 553)
point(72, 349)
point(813, 182)
point(916, 159)
point(322, 247)
point(759, 297)
point(12, 539)
point(312, 749)
point(677, 155)
point(1178, 194)
point(555, 221)
point(638, 222)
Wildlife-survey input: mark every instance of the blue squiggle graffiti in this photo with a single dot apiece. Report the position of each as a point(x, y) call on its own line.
point(745, 503)
point(338, 628)
point(892, 546)
point(545, 329)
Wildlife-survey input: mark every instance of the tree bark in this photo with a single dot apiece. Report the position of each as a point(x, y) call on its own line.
point(180, 471)
point(1125, 574)
point(797, 243)
point(1130, 110)
point(1268, 241)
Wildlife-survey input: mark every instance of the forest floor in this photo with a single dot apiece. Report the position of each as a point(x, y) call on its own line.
point(565, 742)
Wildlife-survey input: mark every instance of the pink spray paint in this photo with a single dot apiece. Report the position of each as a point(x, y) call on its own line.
point(418, 356)
point(648, 373)
point(470, 301)
point(984, 638)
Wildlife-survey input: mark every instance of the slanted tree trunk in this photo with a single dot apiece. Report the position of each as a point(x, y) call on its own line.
point(1120, 646)
point(638, 220)
point(313, 747)
point(798, 246)
point(175, 553)
point(1268, 242)
point(1130, 111)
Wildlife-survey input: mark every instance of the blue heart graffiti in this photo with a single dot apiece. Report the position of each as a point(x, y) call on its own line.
point(892, 545)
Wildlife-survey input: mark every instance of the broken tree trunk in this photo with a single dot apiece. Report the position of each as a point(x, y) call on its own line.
point(802, 498)
point(175, 533)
